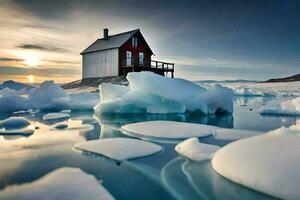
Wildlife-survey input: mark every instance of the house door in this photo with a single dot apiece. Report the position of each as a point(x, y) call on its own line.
point(128, 58)
point(141, 59)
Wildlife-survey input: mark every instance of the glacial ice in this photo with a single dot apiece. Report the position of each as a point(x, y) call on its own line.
point(7, 91)
point(151, 93)
point(48, 96)
point(12, 103)
point(268, 163)
point(168, 129)
point(194, 150)
point(83, 101)
point(288, 107)
point(63, 183)
point(120, 148)
point(16, 126)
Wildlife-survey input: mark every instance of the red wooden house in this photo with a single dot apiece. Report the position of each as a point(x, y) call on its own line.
point(115, 55)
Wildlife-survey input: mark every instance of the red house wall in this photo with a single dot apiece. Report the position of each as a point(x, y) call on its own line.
point(141, 47)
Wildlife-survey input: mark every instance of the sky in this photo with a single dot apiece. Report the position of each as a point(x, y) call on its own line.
point(207, 40)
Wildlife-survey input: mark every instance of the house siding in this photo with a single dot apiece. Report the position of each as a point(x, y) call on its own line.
point(100, 64)
point(141, 47)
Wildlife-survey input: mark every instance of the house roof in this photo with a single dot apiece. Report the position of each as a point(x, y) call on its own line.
point(113, 41)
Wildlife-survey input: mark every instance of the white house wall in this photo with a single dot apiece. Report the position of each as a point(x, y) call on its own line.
point(100, 64)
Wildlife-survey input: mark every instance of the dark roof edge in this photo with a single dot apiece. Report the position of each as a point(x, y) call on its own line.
point(99, 50)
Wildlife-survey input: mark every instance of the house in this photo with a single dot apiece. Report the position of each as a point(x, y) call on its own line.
point(116, 55)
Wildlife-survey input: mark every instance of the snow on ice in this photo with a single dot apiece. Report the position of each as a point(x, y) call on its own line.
point(120, 148)
point(268, 163)
point(63, 183)
point(194, 150)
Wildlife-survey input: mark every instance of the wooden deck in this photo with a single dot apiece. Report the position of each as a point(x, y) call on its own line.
point(158, 67)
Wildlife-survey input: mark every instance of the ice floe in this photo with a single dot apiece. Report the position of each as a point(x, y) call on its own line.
point(120, 148)
point(64, 183)
point(16, 126)
point(288, 107)
point(194, 150)
point(151, 93)
point(269, 163)
point(55, 116)
point(168, 129)
point(72, 125)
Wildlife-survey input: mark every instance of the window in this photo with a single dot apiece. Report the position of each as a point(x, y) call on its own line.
point(141, 59)
point(134, 41)
point(128, 58)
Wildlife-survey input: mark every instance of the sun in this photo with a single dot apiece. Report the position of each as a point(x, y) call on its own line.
point(31, 60)
point(30, 78)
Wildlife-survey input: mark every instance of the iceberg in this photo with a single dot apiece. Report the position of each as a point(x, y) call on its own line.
point(7, 91)
point(194, 150)
point(289, 107)
point(48, 96)
point(151, 93)
point(16, 126)
point(268, 163)
point(12, 103)
point(120, 148)
point(83, 101)
point(168, 129)
point(63, 183)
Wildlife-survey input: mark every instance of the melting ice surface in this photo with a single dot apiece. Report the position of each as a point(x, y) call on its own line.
point(25, 161)
point(151, 93)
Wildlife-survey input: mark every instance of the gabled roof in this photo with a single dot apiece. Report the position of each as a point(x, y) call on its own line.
point(113, 41)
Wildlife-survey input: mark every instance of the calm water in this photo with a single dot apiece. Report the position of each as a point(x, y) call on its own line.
point(162, 176)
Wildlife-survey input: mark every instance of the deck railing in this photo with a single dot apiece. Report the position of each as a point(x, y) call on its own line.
point(156, 65)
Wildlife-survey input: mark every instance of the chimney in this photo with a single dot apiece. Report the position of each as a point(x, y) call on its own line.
point(105, 34)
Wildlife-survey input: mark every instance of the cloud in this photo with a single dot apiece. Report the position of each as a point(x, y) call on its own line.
point(6, 59)
point(40, 71)
point(43, 47)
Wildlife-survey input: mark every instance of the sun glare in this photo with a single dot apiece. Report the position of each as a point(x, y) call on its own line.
point(31, 60)
point(30, 78)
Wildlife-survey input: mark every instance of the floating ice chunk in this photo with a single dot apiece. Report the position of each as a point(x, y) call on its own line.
point(14, 123)
point(65, 111)
point(49, 96)
point(12, 103)
point(194, 150)
point(168, 129)
point(54, 116)
point(110, 91)
point(60, 126)
point(289, 107)
point(73, 125)
point(234, 134)
point(64, 183)
point(83, 101)
point(16, 126)
point(120, 148)
point(269, 163)
point(151, 93)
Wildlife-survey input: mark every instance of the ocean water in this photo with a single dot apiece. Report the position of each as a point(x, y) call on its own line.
point(165, 175)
